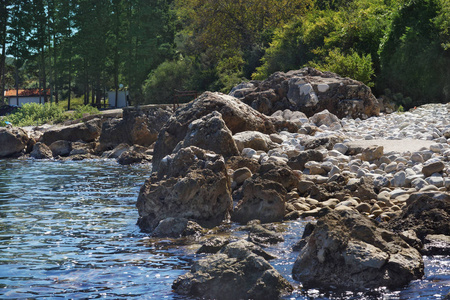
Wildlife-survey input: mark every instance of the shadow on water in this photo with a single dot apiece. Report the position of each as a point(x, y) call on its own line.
point(68, 230)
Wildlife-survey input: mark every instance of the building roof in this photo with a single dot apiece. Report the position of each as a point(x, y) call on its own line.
point(26, 93)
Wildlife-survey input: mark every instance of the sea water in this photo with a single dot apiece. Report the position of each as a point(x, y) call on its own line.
point(68, 231)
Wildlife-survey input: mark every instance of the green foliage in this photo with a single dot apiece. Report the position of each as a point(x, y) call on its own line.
point(36, 114)
point(229, 71)
point(401, 109)
point(84, 110)
point(414, 61)
point(352, 65)
point(170, 75)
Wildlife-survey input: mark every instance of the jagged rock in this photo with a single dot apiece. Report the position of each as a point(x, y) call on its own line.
point(210, 133)
point(192, 184)
point(82, 148)
point(311, 91)
point(260, 235)
point(425, 213)
point(237, 162)
point(86, 132)
point(436, 244)
point(61, 148)
point(372, 153)
point(279, 173)
point(12, 141)
point(255, 140)
point(325, 142)
point(117, 151)
point(237, 116)
point(134, 155)
point(235, 273)
point(176, 227)
point(347, 250)
point(213, 245)
point(139, 126)
point(259, 199)
point(41, 151)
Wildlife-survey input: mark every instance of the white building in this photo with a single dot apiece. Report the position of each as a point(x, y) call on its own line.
point(20, 97)
point(122, 99)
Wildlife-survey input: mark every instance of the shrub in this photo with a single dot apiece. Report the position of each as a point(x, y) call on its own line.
point(352, 65)
point(35, 114)
point(168, 76)
point(84, 109)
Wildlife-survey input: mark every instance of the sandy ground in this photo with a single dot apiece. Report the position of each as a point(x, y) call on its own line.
point(399, 146)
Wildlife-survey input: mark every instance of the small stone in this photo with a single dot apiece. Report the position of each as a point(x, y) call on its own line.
point(240, 175)
point(391, 167)
point(372, 153)
point(399, 179)
point(342, 148)
point(433, 167)
point(363, 208)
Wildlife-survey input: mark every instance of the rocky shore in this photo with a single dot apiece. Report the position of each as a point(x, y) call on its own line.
point(302, 144)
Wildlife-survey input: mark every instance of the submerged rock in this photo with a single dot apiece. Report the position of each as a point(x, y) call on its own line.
point(192, 184)
point(348, 251)
point(235, 273)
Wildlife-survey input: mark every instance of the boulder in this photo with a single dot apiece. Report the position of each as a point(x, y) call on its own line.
point(255, 140)
point(117, 151)
point(372, 153)
point(13, 141)
point(210, 133)
point(82, 148)
point(260, 235)
point(311, 91)
point(213, 245)
point(237, 116)
point(61, 148)
point(432, 166)
point(324, 118)
point(192, 184)
point(259, 199)
point(235, 273)
point(298, 162)
point(139, 126)
point(279, 173)
point(176, 227)
point(425, 213)
point(348, 251)
point(134, 155)
point(41, 151)
point(86, 132)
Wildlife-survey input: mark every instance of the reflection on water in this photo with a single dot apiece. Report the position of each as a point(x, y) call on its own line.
point(67, 230)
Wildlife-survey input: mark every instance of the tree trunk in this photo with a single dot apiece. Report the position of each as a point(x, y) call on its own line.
point(70, 84)
point(44, 76)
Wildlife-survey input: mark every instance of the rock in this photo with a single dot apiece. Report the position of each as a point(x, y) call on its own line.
point(279, 173)
point(41, 151)
point(210, 133)
point(134, 155)
point(432, 167)
point(425, 213)
point(237, 162)
point(117, 151)
point(176, 227)
point(238, 117)
point(341, 147)
point(12, 141)
point(255, 140)
point(259, 199)
point(372, 153)
point(61, 148)
point(260, 235)
point(213, 245)
point(436, 244)
point(86, 132)
point(192, 184)
point(240, 175)
point(348, 251)
point(324, 118)
point(311, 91)
point(298, 162)
point(363, 208)
point(235, 273)
point(82, 148)
point(139, 126)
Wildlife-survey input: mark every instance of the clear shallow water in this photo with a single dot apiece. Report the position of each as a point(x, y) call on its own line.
point(67, 230)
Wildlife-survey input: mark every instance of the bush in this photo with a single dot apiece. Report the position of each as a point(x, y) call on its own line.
point(351, 65)
point(85, 109)
point(168, 76)
point(36, 114)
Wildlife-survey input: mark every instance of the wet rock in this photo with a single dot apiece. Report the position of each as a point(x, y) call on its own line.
point(346, 250)
point(235, 273)
point(139, 126)
point(425, 213)
point(192, 184)
point(134, 155)
point(210, 133)
point(238, 117)
point(86, 132)
point(12, 141)
point(311, 91)
point(213, 245)
point(176, 227)
point(259, 199)
point(260, 235)
point(436, 244)
point(41, 151)
point(61, 148)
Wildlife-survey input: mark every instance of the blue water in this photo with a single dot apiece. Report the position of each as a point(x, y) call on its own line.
point(68, 230)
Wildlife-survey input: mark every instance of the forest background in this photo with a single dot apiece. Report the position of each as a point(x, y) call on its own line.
point(82, 48)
